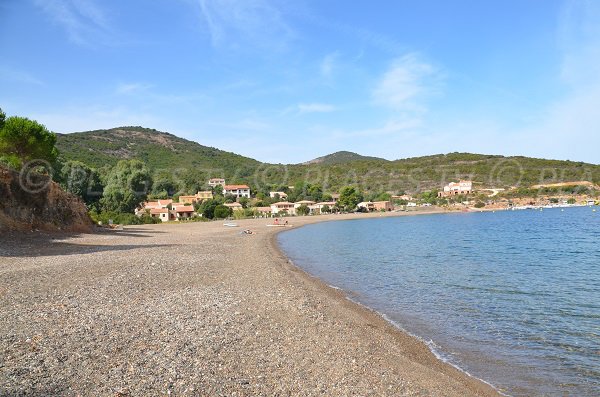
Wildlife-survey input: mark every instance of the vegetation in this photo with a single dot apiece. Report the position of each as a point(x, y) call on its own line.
point(349, 198)
point(79, 179)
point(128, 185)
point(222, 212)
point(185, 166)
point(23, 140)
point(303, 210)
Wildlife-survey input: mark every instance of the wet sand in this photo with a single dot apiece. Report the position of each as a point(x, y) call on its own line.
point(196, 309)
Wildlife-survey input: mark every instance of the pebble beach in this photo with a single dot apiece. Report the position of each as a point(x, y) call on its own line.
point(196, 309)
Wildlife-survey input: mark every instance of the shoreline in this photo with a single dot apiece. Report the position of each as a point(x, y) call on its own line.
point(360, 307)
point(198, 308)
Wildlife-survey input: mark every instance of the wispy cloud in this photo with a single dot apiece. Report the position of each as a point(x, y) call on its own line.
point(315, 108)
point(305, 108)
point(18, 76)
point(236, 24)
point(328, 64)
point(406, 84)
point(83, 20)
point(132, 88)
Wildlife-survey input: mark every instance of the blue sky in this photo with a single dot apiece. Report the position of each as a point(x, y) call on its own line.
point(287, 81)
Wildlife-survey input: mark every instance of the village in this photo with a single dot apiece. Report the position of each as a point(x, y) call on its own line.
point(241, 203)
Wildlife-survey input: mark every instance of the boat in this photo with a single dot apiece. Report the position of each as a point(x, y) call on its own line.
point(230, 224)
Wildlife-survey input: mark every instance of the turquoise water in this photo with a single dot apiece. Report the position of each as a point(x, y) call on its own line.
point(511, 297)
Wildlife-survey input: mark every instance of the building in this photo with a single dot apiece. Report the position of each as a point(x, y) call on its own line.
point(335, 197)
point(283, 207)
point(282, 195)
point(162, 213)
point(376, 205)
point(454, 189)
point(237, 190)
point(148, 206)
point(212, 182)
point(316, 208)
point(263, 211)
point(200, 196)
point(182, 212)
point(234, 206)
point(404, 197)
point(308, 203)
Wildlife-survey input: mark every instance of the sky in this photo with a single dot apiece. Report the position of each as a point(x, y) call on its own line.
point(288, 81)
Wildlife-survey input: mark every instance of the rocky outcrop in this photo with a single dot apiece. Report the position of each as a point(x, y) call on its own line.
point(31, 201)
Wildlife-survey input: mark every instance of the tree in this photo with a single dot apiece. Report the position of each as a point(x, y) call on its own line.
point(303, 210)
point(349, 198)
point(315, 192)
point(244, 201)
point(81, 180)
point(127, 186)
point(222, 212)
point(217, 190)
point(23, 140)
point(164, 188)
point(325, 209)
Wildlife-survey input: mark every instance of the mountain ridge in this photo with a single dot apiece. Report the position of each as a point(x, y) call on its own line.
point(189, 161)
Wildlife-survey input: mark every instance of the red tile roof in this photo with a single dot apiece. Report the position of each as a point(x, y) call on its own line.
point(235, 187)
point(184, 208)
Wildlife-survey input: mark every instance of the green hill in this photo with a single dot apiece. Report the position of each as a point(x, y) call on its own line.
point(342, 157)
point(178, 158)
point(160, 150)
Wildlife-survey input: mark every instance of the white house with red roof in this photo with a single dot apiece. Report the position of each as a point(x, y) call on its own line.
point(237, 190)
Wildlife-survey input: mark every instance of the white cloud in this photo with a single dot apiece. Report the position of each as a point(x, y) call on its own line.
point(83, 20)
point(315, 108)
point(233, 23)
point(406, 84)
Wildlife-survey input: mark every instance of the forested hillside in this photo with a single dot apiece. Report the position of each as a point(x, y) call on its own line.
point(190, 164)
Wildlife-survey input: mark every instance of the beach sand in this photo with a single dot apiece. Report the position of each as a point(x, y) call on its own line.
point(195, 309)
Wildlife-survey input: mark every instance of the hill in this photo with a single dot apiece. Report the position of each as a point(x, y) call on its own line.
point(342, 157)
point(160, 150)
point(192, 163)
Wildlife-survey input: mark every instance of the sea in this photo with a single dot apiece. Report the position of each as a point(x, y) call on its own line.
point(509, 297)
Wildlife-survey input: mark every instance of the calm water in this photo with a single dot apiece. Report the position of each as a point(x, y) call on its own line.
point(511, 297)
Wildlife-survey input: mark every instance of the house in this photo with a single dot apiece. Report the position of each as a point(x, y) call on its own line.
point(150, 205)
point(234, 206)
point(454, 189)
point(282, 195)
point(335, 197)
point(162, 213)
point(283, 207)
point(237, 190)
point(212, 182)
point(263, 211)
point(181, 212)
point(203, 195)
point(404, 197)
point(316, 208)
point(303, 202)
point(376, 205)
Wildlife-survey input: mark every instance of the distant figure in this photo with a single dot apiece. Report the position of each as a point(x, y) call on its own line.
point(276, 221)
point(286, 222)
